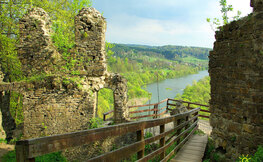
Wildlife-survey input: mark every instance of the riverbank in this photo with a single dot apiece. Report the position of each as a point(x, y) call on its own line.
point(169, 88)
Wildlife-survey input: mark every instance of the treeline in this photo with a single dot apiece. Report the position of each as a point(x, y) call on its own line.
point(170, 52)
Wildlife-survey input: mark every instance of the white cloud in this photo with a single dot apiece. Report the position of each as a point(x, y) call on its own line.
point(178, 28)
point(132, 29)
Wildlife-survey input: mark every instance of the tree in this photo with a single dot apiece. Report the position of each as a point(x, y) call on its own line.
point(225, 8)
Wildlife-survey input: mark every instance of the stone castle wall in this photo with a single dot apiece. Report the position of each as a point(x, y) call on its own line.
point(36, 51)
point(236, 71)
point(61, 102)
point(90, 28)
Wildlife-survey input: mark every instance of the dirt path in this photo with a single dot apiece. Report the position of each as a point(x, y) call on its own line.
point(4, 148)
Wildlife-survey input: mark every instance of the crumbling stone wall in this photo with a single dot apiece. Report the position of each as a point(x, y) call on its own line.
point(61, 102)
point(90, 28)
point(236, 71)
point(36, 51)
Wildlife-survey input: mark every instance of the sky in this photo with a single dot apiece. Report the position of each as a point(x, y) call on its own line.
point(163, 22)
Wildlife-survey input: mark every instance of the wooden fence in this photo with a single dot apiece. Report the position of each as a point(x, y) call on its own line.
point(186, 124)
point(155, 111)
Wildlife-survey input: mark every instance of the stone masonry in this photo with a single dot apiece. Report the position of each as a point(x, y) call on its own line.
point(61, 102)
point(90, 28)
point(236, 71)
point(36, 51)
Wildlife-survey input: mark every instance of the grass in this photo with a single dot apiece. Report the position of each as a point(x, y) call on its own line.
point(52, 157)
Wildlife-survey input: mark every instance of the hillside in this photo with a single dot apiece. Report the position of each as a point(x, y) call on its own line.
point(180, 54)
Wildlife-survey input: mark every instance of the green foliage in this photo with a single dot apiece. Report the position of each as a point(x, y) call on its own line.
point(11, 65)
point(105, 102)
point(52, 157)
point(148, 135)
point(258, 156)
point(95, 123)
point(62, 13)
point(225, 8)
point(170, 52)
point(16, 107)
point(198, 92)
point(3, 140)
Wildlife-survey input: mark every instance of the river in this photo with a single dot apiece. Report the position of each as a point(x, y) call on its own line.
point(170, 87)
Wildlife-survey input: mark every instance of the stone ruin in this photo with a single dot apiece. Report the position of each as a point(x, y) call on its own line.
point(236, 71)
point(61, 102)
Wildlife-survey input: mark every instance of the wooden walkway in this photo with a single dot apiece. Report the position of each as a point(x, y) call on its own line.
point(193, 150)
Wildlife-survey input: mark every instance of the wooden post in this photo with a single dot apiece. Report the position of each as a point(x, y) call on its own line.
point(167, 104)
point(140, 137)
point(155, 111)
point(162, 141)
point(104, 117)
point(178, 131)
point(22, 154)
point(187, 126)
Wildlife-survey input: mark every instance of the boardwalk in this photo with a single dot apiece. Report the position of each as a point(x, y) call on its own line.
point(205, 126)
point(193, 150)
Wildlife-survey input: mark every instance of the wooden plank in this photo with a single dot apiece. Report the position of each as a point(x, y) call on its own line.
point(179, 146)
point(187, 102)
point(162, 149)
point(44, 145)
point(205, 110)
point(140, 137)
point(126, 151)
point(140, 111)
point(148, 104)
point(192, 150)
point(204, 116)
point(162, 140)
point(144, 116)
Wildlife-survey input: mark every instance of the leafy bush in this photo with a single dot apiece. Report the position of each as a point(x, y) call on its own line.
point(95, 123)
point(258, 156)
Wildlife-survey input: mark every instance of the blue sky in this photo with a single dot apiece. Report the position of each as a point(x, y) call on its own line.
point(163, 22)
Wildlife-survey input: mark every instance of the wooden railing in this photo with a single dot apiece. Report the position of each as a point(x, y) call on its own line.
point(189, 106)
point(186, 124)
point(107, 113)
point(155, 111)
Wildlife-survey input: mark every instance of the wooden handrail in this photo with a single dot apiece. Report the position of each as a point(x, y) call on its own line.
point(149, 104)
point(188, 102)
point(27, 150)
point(189, 107)
point(156, 109)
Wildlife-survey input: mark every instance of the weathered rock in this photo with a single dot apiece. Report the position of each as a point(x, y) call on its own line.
point(235, 68)
point(179, 109)
point(36, 51)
